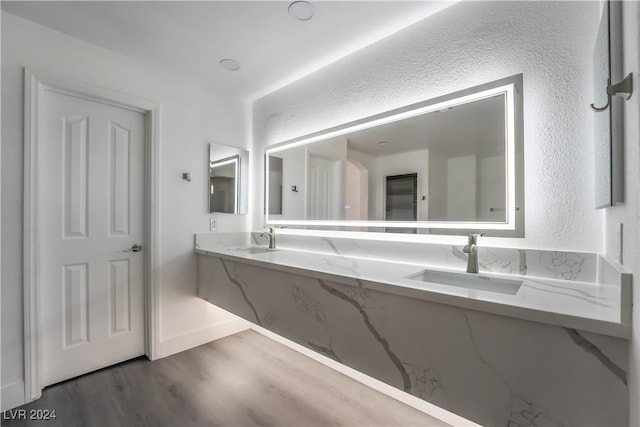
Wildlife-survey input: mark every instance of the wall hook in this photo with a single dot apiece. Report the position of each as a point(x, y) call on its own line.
point(625, 86)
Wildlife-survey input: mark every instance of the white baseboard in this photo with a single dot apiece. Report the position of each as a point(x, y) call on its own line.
point(193, 339)
point(384, 388)
point(12, 395)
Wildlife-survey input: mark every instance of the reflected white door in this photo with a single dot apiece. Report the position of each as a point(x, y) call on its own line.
point(90, 193)
point(325, 194)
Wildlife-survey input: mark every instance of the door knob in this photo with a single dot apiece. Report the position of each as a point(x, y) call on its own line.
point(135, 248)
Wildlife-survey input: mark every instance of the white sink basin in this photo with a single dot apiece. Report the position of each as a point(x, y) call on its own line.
point(468, 280)
point(254, 250)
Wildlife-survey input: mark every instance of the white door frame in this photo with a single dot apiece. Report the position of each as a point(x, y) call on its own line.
point(35, 83)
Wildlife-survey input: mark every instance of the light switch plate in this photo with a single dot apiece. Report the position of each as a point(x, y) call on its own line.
point(213, 224)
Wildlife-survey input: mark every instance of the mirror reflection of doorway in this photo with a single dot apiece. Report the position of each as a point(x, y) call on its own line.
point(325, 188)
point(401, 200)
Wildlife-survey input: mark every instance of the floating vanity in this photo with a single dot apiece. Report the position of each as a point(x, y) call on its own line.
point(536, 338)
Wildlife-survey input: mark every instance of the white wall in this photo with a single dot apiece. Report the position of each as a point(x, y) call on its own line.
point(491, 189)
point(461, 188)
point(294, 162)
point(437, 186)
point(471, 43)
point(453, 195)
point(629, 212)
point(332, 148)
point(370, 164)
point(191, 118)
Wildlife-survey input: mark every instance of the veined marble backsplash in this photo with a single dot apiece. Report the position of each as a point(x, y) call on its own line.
point(577, 266)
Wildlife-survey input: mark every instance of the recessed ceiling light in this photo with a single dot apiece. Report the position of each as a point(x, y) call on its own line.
point(382, 143)
point(229, 64)
point(301, 10)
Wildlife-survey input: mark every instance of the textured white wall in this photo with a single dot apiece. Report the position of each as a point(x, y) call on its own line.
point(465, 45)
point(191, 118)
point(629, 213)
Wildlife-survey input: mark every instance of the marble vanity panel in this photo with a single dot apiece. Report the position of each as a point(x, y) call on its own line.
point(612, 273)
point(494, 370)
point(577, 266)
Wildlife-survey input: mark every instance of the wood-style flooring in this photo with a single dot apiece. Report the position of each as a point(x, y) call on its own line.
point(242, 380)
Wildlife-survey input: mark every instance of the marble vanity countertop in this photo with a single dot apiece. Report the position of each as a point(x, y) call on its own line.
point(587, 306)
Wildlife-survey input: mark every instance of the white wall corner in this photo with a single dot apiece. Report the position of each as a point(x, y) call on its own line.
point(177, 344)
point(12, 395)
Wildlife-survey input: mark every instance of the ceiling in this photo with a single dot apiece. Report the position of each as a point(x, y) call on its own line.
point(190, 38)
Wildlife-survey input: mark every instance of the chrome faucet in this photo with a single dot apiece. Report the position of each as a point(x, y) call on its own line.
point(271, 234)
point(472, 249)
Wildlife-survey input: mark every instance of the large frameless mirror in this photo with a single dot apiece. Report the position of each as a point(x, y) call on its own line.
point(228, 184)
point(448, 165)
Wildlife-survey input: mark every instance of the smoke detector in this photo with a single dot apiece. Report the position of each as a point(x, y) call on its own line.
point(301, 10)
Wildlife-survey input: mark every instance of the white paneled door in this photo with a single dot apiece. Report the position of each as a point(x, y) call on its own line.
point(90, 257)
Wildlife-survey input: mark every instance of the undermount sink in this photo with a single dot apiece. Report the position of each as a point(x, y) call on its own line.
point(254, 250)
point(469, 281)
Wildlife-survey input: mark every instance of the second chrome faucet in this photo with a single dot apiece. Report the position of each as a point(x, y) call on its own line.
point(472, 250)
point(271, 234)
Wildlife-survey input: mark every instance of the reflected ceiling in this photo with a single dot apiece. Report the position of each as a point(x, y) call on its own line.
point(473, 128)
